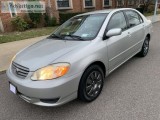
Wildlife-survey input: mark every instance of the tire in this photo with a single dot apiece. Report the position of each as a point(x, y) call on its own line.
point(91, 83)
point(145, 48)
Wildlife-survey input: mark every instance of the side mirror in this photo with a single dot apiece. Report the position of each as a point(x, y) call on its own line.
point(114, 32)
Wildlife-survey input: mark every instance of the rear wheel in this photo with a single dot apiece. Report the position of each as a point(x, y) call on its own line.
point(145, 48)
point(91, 83)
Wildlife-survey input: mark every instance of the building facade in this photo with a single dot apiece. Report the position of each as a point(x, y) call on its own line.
point(54, 7)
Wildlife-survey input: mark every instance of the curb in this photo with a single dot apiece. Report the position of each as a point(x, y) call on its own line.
point(155, 21)
point(2, 72)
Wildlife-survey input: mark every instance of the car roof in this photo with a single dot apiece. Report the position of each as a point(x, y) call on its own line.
point(105, 11)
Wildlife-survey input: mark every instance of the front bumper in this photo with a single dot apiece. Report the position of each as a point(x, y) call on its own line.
point(46, 93)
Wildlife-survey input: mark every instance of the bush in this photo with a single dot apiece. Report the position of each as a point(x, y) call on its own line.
point(50, 21)
point(19, 23)
point(150, 8)
point(29, 21)
point(65, 16)
point(35, 17)
point(141, 10)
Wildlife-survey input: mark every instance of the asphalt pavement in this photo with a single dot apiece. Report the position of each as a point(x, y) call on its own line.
point(132, 92)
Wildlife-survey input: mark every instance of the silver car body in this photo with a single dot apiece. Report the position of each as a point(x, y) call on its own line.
point(112, 53)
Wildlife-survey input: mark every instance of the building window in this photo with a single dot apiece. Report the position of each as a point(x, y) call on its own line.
point(12, 9)
point(64, 4)
point(107, 3)
point(89, 3)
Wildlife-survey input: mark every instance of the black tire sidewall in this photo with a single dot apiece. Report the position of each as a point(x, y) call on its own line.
point(82, 86)
point(143, 53)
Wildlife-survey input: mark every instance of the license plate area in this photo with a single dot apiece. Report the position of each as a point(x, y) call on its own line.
point(12, 88)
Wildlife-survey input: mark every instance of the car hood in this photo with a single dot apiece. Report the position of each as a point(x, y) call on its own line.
point(45, 52)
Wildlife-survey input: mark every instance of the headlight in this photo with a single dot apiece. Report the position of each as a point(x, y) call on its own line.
point(51, 71)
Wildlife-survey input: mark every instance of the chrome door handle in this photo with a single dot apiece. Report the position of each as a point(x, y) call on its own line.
point(143, 26)
point(129, 34)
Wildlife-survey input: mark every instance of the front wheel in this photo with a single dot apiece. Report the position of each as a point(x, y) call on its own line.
point(91, 83)
point(145, 48)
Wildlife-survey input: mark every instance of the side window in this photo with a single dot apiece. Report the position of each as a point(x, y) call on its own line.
point(117, 21)
point(133, 18)
point(140, 18)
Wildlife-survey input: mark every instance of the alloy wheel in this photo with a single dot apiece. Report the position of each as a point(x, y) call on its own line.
point(93, 84)
point(146, 47)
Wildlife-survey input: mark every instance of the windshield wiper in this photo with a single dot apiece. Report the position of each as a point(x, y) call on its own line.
point(74, 36)
point(63, 36)
point(56, 36)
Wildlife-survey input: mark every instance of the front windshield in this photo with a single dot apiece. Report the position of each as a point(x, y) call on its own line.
point(85, 27)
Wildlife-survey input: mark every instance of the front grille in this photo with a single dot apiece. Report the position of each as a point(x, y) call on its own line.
point(19, 71)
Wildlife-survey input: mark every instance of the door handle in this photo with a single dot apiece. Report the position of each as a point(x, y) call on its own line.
point(129, 34)
point(143, 26)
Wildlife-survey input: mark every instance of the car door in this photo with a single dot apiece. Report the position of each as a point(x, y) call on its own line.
point(136, 31)
point(117, 45)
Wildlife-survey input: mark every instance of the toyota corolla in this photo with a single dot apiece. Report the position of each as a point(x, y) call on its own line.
point(74, 60)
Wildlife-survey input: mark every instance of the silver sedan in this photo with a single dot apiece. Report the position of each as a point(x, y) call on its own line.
point(74, 60)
